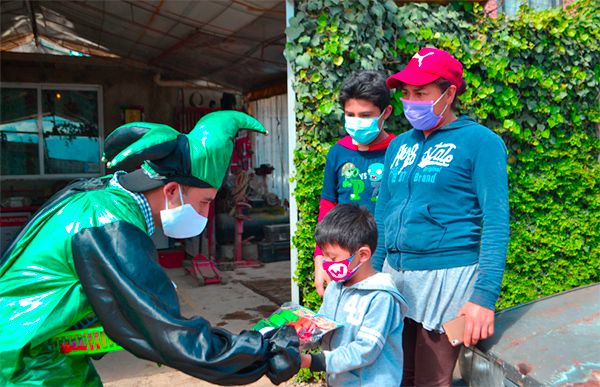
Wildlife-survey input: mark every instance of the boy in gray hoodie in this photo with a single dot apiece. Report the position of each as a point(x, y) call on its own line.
point(367, 350)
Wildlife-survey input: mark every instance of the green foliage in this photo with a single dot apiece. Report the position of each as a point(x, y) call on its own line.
point(542, 71)
point(532, 79)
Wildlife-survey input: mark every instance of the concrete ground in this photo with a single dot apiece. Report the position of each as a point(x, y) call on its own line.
point(235, 305)
point(246, 296)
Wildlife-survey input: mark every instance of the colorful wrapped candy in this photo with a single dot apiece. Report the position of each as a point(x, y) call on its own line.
point(310, 326)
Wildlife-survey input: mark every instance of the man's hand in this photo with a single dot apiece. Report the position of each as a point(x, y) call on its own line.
point(479, 323)
point(321, 276)
point(284, 354)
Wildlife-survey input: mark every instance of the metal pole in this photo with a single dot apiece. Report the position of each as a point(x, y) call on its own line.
point(291, 97)
point(33, 21)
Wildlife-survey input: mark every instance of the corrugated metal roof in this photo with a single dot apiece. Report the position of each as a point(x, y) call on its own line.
point(236, 43)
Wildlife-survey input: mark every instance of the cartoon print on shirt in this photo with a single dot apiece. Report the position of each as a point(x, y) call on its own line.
point(435, 157)
point(352, 180)
point(375, 172)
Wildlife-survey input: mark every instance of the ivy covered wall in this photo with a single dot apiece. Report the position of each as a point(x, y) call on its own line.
point(533, 79)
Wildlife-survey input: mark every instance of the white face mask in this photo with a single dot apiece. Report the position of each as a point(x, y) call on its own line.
point(183, 221)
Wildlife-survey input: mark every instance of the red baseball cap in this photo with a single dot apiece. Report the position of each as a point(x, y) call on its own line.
point(426, 66)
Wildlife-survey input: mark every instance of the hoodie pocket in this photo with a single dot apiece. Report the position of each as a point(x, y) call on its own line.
point(420, 232)
point(392, 225)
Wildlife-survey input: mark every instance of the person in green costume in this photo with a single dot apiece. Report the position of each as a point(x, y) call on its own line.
point(88, 251)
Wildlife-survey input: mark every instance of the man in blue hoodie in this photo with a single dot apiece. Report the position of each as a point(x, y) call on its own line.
point(367, 350)
point(442, 216)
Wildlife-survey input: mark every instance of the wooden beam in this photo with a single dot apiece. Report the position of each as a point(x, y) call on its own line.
point(7, 44)
point(266, 92)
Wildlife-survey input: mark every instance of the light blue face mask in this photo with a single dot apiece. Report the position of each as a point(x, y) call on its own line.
point(363, 130)
point(183, 221)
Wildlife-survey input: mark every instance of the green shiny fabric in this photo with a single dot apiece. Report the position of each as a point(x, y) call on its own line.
point(41, 294)
point(156, 134)
point(210, 144)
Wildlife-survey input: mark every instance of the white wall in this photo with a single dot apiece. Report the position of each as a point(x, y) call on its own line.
point(273, 149)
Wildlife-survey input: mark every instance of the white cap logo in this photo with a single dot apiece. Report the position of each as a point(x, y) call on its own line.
point(420, 58)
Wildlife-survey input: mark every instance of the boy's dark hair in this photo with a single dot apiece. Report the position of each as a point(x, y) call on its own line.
point(367, 85)
point(348, 226)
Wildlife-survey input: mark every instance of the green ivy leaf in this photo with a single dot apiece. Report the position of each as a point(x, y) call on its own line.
point(294, 31)
point(326, 107)
point(303, 61)
point(322, 20)
point(426, 33)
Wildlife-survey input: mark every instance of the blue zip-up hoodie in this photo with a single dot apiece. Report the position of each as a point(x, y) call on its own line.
point(367, 350)
point(444, 203)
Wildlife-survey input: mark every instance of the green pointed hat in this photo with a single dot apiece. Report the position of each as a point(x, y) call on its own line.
point(198, 159)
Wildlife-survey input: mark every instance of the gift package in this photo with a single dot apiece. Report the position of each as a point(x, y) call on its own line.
point(310, 326)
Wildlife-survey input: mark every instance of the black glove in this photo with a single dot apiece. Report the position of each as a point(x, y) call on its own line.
point(284, 353)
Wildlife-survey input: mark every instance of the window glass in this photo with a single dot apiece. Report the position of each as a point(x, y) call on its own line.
point(19, 132)
point(511, 7)
point(544, 4)
point(70, 127)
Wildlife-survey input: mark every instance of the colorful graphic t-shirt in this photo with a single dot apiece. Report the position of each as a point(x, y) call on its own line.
point(353, 176)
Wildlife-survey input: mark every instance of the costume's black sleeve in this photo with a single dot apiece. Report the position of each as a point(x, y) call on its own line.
point(136, 303)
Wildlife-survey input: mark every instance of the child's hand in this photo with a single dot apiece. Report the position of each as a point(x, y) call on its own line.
point(305, 361)
point(321, 277)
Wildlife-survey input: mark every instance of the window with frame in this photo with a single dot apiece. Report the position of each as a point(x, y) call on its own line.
point(50, 130)
point(511, 7)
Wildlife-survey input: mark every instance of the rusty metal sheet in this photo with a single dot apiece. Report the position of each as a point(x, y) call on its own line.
point(552, 341)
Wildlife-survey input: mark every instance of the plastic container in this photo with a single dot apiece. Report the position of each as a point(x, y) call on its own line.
point(277, 232)
point(274, 251)
point(83, 342)
point(171, 259)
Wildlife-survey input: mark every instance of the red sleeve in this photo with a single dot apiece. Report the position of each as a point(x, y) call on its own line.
point(384, 144)
point(324, 207)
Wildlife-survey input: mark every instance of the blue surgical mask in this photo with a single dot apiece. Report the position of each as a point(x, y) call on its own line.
point(183, 221)
point(363, 130)
point(421, 115)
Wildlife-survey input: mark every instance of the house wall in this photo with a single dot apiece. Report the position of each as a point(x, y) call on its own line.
point(121, 85)
point(273, 149)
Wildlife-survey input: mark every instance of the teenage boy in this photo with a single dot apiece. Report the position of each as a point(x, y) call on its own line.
point(354, 165)
point(367, 349)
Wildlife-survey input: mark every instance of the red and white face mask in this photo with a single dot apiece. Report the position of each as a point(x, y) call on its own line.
point(340, 271)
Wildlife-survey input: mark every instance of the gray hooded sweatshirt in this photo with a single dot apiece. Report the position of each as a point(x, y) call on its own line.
point(367, 350)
